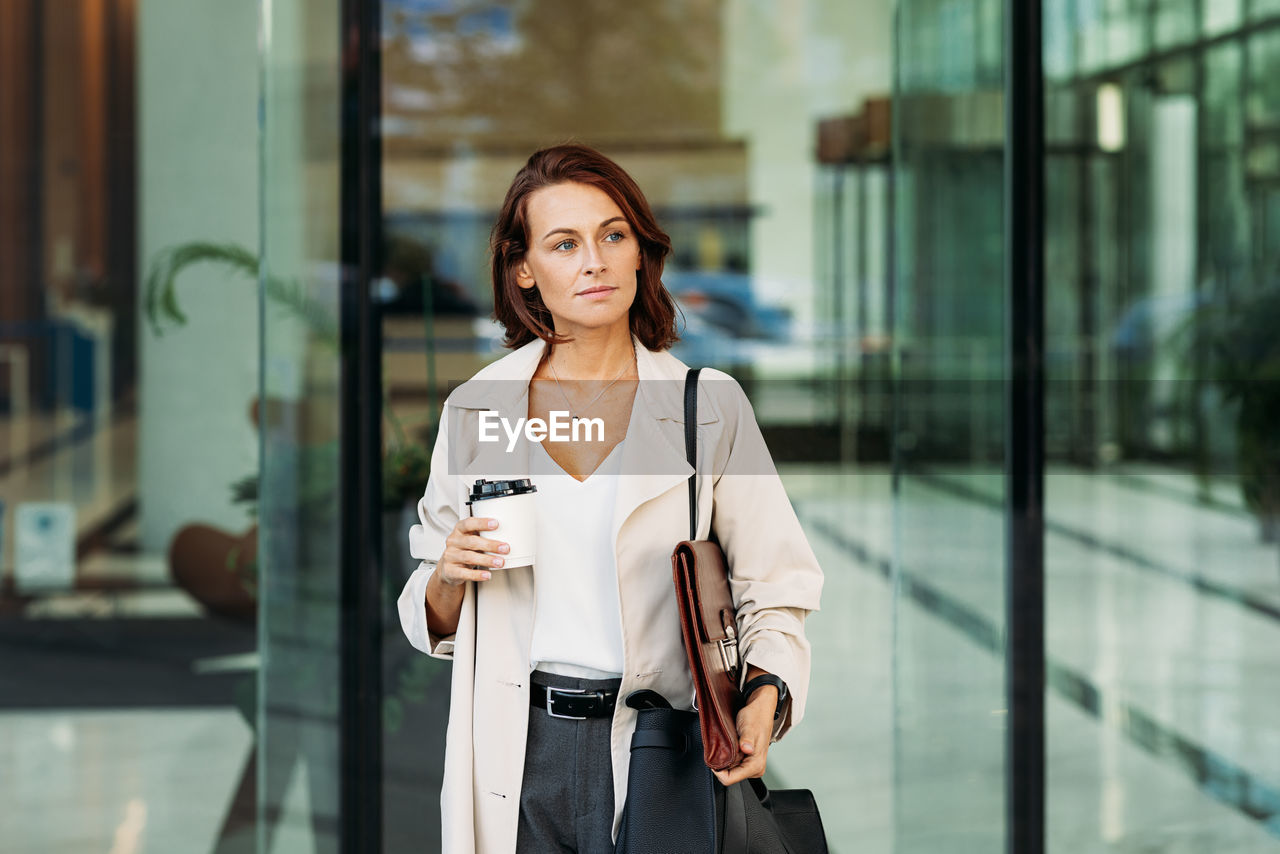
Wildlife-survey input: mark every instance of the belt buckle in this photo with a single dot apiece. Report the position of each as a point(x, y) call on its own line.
point(566, 691)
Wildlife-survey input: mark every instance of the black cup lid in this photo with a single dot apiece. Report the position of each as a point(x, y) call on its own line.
point(501, 488)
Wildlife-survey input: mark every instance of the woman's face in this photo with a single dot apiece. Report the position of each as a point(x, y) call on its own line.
point(583, 257)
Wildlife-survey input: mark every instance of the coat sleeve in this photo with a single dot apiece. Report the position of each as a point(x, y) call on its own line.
point(775, 578)
point(438, 512)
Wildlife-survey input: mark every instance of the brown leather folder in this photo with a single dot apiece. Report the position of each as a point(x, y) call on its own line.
point(707, 620)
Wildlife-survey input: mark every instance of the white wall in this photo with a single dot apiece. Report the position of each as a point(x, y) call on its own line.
point(786, 65)
point(198, 176)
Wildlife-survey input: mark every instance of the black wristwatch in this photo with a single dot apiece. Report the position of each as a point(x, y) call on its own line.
point(766, 679)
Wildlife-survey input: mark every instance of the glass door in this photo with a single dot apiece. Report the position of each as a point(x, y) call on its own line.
point(1157, 454)
point(1160, 559)
point(714, 106)
point(949, 562)
point(299, 723)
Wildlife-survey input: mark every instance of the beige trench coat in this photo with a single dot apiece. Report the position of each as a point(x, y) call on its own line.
point(776, 578)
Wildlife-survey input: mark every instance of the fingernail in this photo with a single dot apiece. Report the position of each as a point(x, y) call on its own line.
point(746, 745)
point(504, 548)
point(493, 523)
point(487, 575)
point(497, 561)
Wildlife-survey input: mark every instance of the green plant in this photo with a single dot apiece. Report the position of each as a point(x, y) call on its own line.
point(405, 463)
point(160, 301)
point(1238, 345)
point(405, 468)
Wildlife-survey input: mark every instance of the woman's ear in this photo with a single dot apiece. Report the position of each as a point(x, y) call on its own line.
point(524, 276)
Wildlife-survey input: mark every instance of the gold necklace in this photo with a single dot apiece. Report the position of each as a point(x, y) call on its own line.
point(573, 419)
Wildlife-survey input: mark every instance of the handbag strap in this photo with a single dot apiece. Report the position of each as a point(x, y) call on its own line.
point(750, 824)
point(691, 444)
point(734, 836)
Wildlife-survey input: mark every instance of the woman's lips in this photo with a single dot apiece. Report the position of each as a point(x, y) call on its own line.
point(597, 292)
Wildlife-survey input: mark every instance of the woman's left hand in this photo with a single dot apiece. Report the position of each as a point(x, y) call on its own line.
point(755, 729)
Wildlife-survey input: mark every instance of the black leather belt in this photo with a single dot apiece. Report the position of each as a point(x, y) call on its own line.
point(573, 703)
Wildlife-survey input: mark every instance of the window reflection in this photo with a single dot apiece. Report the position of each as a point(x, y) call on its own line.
point(1160, 279)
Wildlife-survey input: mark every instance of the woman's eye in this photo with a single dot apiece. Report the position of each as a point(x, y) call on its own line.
point(616, 237)
point(565, 245)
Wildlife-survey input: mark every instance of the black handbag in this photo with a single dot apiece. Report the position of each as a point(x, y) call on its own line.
point(671, 793)
point(675, 805)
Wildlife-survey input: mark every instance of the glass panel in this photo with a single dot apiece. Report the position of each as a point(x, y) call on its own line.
point(1262, 107)
point(1063, 119)
point(300, 606)
point(1112, 32)
point(1067, 309)
point(1227, 219)
point(1104, 262)
point(1223, 122)
point(1221, 15)
point(948, 557)
point(1175, 22)
point(1061, 43)
point(713, 106)
point(128, 370)
point(991, 40)
point(1271, 213)
point(1261, 9)
point(1160, 563)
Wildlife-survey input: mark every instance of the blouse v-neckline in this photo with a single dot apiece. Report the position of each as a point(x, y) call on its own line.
point(559, 469)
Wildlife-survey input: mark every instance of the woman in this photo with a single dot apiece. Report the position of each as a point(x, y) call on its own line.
point(577, 265)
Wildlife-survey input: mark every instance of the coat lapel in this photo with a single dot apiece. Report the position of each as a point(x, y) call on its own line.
point(653, 459)
point(501, 387)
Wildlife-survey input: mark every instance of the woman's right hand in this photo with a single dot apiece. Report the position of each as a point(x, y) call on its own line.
point(467, 555)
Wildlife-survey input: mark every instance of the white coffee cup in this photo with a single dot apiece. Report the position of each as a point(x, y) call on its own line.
point(511, 502)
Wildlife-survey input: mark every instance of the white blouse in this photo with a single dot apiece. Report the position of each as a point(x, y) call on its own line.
point(577, 621)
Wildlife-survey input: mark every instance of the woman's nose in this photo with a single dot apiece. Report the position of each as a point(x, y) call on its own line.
point(593, 261)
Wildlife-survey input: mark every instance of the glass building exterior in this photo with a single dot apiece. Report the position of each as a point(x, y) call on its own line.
point(1002, 282)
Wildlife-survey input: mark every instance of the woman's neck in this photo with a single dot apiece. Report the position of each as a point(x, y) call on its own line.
point(593, 355)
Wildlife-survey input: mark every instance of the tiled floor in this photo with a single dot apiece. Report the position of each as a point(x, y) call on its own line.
point(1124, 615)
point(120, 781)
point(1163, 735)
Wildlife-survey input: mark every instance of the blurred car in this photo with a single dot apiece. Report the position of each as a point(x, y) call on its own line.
point(720, 319)
point(727, 303)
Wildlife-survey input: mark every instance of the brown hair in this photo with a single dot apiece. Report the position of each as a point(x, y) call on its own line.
point(522, 312)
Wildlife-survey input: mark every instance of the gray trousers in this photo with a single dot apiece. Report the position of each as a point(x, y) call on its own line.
point(566, 799)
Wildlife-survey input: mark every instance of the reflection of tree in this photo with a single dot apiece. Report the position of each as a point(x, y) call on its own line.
point(639, 69)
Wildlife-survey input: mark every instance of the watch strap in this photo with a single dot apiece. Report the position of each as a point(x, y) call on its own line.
point(766, 679)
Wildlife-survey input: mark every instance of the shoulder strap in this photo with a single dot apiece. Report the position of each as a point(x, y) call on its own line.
point(691, 444)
